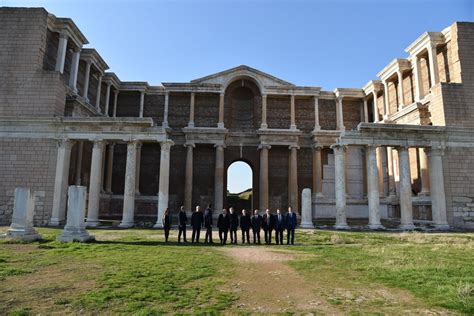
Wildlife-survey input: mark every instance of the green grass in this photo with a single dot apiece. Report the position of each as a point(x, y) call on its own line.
point(436, 268)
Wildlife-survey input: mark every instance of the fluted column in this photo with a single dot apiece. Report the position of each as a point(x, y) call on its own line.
point(163, 189)
point(292, 112)
point(339, 114)
point(86, 80)
point(391, 174)
point(406, 207)
point(80, 149)
point(425, 176)
point(165, 115)
point(386, 100)
point(219, 178)
point(220, 124)
point(340, 186)
point(376, 108)
point(418, 82)
point(116, 93)
point(97, 98)
point(58, 214)
point(264, 113)
point(373, 194)
point(74, 68)
point(142, 103)
point(293, 178)
point(438, 195)
point(107, 98)
point(433, 57)
point(317, 127)
point(188, 180)
point(61, 55)
point(110, 168)
point(317, 171)
point(137, 171)
point(366, 111)
point(263, 180)
point(95, 184)
point(191, 114)
point(401, 101)
point(129, 191)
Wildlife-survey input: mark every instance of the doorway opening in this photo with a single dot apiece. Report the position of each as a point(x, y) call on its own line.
point(239, 186)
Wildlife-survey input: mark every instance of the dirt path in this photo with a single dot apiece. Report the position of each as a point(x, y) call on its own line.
point(265, 284)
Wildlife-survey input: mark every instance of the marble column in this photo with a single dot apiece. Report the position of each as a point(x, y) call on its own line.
point(263, 177)
point(380, 152)
point(22, 218)
point(191, 112)
point(95, 184)
point(391, 175)
point(107, 98)
point(386, 100)
point(366, 111)
point(142, 103)
point(292, 112)
point(406, 207)
point(376, 108)
point(418, 82)
point(306, 209)
point(97, 98)
point(219, 178)
point(340, 186)
point(339, 114)
point(401, 101)
point(438, 195)
point(80, 149)
point(317, 127)
point(264, 112)
point(425, 176)
point(433, 60)
point(86, 80)
point(220, 124)
point(74, 68)
point(317, 171)
point(114, 112)
point(293, 178)
point(61, 55)
point(165, 115)
point(188, 180)
point(129, 191)
point(110, 168)
point(373, 194)
point(163, 187)
point(58, 214)
point(137, 172)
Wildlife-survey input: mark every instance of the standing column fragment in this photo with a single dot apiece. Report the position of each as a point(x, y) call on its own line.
point(129, 191)
point(406, 207)
point(373, 194)
point(340, 186)
point(163, 187)
point(95, 183)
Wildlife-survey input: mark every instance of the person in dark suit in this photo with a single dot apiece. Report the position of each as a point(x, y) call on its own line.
point(279, 227)
point(256, 223)
point(268, 224)
point(208, 224)
point(245, 226)
point(166, 221)
point(223, 223)
point(290, 226)
point(234, 224)
point(197, 221)
point(182, 221)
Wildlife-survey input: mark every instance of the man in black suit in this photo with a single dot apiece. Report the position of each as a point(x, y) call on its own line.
point(268, 223)
point(182, 221)
point(279, 227)
point(256, 223)
point(223, 223)
point(245, 226)
point(197, 221)
point(208, 224)
point(290, 226)
point(234, 224)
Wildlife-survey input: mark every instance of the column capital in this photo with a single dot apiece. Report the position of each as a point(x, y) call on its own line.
point(317, 147)
point(339, 98)
point(139, 144)
point(166, 145)
point(116, 92)
point(189, 144)
point(111, 145)
point(99, 143)
point(63, 35)
point(221, 94)
point(435, 151)
point(264, 146)
point(65, 143)
point(264, 95)
point(402, 148)
point(77, 49)
point(293, 146)
point(219, 145)
point(109, 84)
point(338, 148)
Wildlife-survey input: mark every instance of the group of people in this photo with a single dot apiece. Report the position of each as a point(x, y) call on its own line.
point(230, 221)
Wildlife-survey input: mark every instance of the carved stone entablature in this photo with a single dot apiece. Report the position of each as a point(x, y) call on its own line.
point(325, 138)
point(205, 135)
point(284, 137)
point(416, 113)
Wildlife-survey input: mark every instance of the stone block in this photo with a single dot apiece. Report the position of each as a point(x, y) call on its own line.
point(23, 213)
point(306, 209)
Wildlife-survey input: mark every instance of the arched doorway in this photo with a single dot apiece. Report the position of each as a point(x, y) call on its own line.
point(239, 194)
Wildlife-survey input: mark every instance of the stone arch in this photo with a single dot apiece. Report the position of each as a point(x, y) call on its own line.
point(232, 200)
point(242, 106)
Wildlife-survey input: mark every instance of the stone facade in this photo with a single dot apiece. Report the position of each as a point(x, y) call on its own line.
point(364, 153)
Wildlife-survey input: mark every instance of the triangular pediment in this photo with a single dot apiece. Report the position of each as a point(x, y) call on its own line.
point(226, 76)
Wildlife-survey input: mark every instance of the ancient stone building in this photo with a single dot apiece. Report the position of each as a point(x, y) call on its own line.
point(401, 148)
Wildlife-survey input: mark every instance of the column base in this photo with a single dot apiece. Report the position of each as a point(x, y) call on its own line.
point(407, 227)
point(293, 127)
point(191, 124)
point(306, 225)
point(25, 234)
point(424, 193)
point(92, 223)
point(55, 222)
point(220, 125)
point(263, 126)
point(75, 234)
point(126, 224)
point(441, 227)
point(376, 227)
point(158, 225)
point(342, 226)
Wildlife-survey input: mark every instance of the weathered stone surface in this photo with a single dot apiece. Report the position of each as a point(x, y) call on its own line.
point(306, 209)
point(23, 212)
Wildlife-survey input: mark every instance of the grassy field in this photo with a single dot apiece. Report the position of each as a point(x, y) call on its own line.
point(133, 271)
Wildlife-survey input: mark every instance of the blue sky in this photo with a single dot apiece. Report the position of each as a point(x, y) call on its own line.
point(309, 43)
